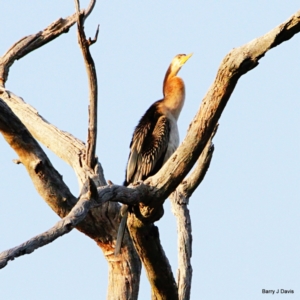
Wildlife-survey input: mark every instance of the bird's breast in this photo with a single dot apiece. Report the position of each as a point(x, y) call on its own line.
point(174, 138)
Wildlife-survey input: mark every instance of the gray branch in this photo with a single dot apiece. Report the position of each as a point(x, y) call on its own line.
point(32, 42)
point(89, 8)
point(179, 201)
point(87, 201)
point(93, 86)
point(101, 223)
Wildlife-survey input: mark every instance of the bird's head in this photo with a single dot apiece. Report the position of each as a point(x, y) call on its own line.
point(176, 64)
point(178, 61)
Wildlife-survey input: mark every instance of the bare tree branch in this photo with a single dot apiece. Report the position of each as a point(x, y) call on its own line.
point(190, 184)
point(48, 182)
point(184, 244)
point(89, 8)
point(179, 201)
point(93, 87)
point(65, 225)
point(159, 272)
point(19, 50)
point(32, 42)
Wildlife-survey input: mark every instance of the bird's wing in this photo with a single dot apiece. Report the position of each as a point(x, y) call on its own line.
point(148, 146)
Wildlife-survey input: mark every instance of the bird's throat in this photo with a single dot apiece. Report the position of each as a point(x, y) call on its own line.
point(174, 96)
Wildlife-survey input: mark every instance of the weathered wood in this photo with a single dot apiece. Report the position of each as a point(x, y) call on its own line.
point(65, 225)
point(101, 223)
point(159, 272)
point(93, 86)
point(32, 42)
point(179, 202)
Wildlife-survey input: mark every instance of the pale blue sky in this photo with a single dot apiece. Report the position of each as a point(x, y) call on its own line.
point(246, 213)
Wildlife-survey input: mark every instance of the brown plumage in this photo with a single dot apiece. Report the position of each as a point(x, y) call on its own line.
point(156, 136)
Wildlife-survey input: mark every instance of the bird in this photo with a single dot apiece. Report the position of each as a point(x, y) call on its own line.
point(156, 136)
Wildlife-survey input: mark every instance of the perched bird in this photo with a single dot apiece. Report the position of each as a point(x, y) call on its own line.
point(156, 136)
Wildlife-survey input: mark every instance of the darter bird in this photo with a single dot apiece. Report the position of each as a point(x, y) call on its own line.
point(156, 136)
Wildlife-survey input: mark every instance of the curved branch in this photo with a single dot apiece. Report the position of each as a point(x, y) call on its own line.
point(61, 143)
point(65, 225)
point(89, 8)
point(159, 272)
point(32, 42)
point(75, 148)
point(48, 182)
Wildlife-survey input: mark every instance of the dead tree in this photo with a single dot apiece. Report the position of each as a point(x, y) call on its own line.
point(95, 212)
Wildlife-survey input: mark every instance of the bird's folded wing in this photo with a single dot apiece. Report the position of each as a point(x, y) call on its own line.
point(148, 148)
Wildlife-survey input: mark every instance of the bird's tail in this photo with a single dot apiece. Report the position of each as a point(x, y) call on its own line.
point(121, 230)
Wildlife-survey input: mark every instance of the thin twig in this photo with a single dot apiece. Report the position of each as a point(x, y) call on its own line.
point(89, 8)
point(93, 87)
point(94, 40)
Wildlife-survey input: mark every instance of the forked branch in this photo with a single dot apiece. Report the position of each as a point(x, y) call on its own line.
point(101, 223)
point(34, 41)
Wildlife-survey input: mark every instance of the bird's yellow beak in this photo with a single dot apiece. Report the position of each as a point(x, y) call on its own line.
point(184, 59)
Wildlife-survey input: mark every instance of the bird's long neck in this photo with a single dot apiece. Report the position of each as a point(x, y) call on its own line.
point(174, 93)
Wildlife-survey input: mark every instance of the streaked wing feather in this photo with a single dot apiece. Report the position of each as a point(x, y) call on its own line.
point(148, 146)
point(155, 147)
